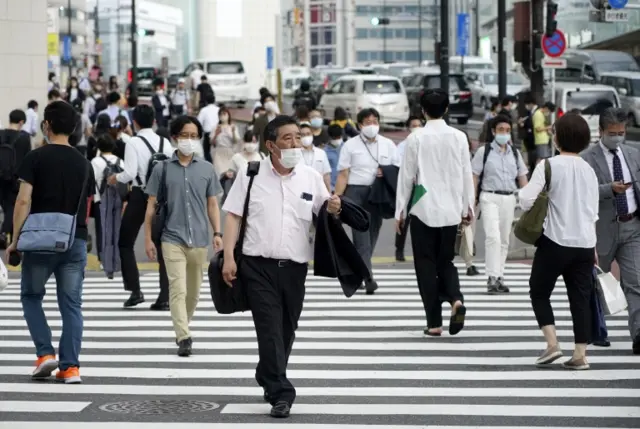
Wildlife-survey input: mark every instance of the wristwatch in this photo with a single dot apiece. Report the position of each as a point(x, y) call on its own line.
point(217, 234)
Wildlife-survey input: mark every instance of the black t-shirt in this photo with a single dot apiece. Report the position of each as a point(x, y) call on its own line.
point(204, 89)
point(322, 138)
point(57, 173)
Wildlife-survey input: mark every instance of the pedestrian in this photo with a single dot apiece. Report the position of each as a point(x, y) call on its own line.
point(617, 168)
point(542, 130)
point(180, 99)
point(161, 104)
point(498, 172)
point(358, 167)
point(209, 118)
point(54, 169)
point(320, 136)
point(468, 252)
point(335, 134)
point(313, 156)
point(567, 245)
point(189, 186)
point(276, 250)
point(141, 154)
point(31, 125)
point(272, 110)
point(226, 141)
point(438, 158)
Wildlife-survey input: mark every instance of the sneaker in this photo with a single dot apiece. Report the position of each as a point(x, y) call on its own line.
point(576, 364)
point(472, 271)
point(70, 375)
point(549, 356)
point(45, 365)
point(492, 286)
point(501, 286)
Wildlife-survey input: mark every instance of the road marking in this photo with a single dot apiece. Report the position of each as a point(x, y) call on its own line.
point(180, 425)
point(42, 406)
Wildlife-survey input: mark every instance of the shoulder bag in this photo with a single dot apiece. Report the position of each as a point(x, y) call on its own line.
point(529, 227)
point(162, 209)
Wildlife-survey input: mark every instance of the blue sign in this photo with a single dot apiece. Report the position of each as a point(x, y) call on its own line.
point(269, 57)
point(462, 47)
point(618, 4)
point(66, 48)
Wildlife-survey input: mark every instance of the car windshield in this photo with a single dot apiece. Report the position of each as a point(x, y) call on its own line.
point(614, 66)
point(381, 87)
point(147, 73)
point(635, 88)
point(512, 79)
point(225, 68)
point(456, 83)
point(333, 76)
point(591, 102)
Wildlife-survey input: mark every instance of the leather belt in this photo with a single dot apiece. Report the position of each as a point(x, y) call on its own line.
point(626, 217)
point(500, 192)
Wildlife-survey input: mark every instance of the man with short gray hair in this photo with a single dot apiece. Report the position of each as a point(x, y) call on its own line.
point(617, 167)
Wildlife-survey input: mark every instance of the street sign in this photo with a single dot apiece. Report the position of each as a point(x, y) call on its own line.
point(462, 47)
point(555, 45)
point(269, 57)
point(554, 63)
point(66, 48)
point(618, 4)
point(616, 15)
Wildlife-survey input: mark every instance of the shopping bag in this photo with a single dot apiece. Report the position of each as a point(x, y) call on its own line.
point(4, 276)
point(610, 293)
point(598, 324)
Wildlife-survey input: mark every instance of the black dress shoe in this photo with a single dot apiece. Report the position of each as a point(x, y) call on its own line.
point(400, 256)
point(602, 343)
point(370, 287)
point(184, 347)
point(636, 346)
point(266, 397)
point(280, 410)
point(472, 271)
point(160, 306)
point(135, 299)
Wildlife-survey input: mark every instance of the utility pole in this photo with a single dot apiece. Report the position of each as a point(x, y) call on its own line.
point(502, 56)
point(69, 37)
point(384, 34)
point(476, 26)
point(96, 32)
point(536, 75)
point(419, 32)
point(134, 51)
point(444, 46)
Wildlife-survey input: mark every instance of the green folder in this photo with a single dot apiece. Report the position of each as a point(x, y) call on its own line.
point(418, 192)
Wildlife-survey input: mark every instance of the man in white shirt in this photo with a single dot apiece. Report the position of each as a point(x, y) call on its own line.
point(138, 154)
point(180, 99)
point(618, 227)
point(209, 118)
point(277, 248)
point(314, 157)
point(31, 125)
point(358, 166)
point(443, 198)
point(114, 110)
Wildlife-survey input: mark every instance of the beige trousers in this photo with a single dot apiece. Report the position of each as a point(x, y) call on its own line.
point(184, 269)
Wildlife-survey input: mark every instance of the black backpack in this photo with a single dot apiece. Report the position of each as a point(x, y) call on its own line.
point(487, 150)
point(109, 170)
point(101, 104)
point(8, 164)
point(156, 157)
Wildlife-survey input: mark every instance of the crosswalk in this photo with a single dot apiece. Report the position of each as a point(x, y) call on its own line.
point(357, 363)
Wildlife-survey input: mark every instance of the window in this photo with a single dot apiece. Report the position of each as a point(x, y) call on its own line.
point(591, 102)
point(375, 33)
point(380, 87)
point(413, 10)
point(388, 33)
point(399, 33)
point(232, 67)
point(362, 56)
point(314, 36)
point(635, 88)
point(456, 82)
point(392, 10)
point(329, 35)
point(375, 55)
point(427, 33)
point(348, 87)
point(491, 78)
point(399, 55)
point(314, 58)
point(362, 10)
point(411, 56)
point(412, 33)
point(362, 33)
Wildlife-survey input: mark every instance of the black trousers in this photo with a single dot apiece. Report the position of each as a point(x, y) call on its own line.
point(95, 213)
point(132, 221)
point(206, 147)
point(8, 197)
point(433, 253)
point(575, 265)
point(401, 238)
point(275, 291)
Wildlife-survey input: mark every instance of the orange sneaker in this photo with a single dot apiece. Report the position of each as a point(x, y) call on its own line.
point(45, 365)
point(70, 375)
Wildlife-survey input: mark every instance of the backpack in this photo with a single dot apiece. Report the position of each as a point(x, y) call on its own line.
point(109, 170)
point(101, 104)
point(8, 164)
point(487, 150)
point(156, 157)
point(530, 226)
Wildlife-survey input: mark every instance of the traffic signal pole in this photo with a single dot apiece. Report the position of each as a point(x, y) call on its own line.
point(502, 55)
point(134, 51)
point(537, 72)
point(444, 46)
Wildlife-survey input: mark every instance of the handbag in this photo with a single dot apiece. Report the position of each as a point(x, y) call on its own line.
point(228, 300)
point(598, 324)
point(4, 276)
point(529, 227)
point(610, 293)
point(50, 232)
point(160, 217)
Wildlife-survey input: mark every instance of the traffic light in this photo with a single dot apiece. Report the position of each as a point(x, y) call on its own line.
point(380, 21)
point(146, 32)
point(552, 24)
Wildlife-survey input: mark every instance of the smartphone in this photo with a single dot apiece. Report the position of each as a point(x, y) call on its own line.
point(629, 183)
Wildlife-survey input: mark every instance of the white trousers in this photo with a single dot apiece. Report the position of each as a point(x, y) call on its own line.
point(497, 218)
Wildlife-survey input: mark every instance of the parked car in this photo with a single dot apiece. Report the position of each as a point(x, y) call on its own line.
point(356, 92)
point(484, 85)
point(628, 86)
point(146, 76)
point(228, 79)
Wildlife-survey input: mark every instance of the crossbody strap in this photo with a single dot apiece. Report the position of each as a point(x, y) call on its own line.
point(251, 172)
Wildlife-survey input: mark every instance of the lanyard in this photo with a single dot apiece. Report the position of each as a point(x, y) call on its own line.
point(366, 146)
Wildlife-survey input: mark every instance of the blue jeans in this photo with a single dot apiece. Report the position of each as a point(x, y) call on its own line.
point(68, 269)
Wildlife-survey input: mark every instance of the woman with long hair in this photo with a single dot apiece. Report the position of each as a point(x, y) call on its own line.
point(225, 141)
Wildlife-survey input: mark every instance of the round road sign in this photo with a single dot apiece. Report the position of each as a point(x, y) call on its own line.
point(555, 45)
point(618, 4)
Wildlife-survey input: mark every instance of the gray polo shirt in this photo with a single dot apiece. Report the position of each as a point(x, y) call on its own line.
point(188, 189)
point(500, 171)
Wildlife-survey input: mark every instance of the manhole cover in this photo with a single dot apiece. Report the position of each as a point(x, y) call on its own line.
point(159, 407)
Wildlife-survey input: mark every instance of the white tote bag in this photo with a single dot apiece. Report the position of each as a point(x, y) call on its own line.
point(610, 293)
point(4, 276)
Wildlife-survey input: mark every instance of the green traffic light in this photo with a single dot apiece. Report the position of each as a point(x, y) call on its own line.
point(142, 32)
point(375, 21)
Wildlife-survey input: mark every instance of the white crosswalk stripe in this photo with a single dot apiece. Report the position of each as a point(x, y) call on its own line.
point(357, 363)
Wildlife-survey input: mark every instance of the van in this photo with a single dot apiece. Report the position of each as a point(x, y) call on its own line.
point(590, 65)
point(589, 99)
point(628, 86)
point(386, 94)
point(227, 78)
point(458, 64)
point(292, 77)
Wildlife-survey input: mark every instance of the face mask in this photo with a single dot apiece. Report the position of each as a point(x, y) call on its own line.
point(250, 147)
point(317, 122)
point(307, 141)
point(73, 84)
point(224, 118)
point(159, 91)
point(256, 115)
point(413, 130)
point(289, 158)
point(187, 147)
point(271, 106)
point(502, 139)
point(336, 143)
point(612, 142)
point(370, 131)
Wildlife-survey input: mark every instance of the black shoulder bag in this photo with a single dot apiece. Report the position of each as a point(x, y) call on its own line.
point(228, 300)
point(160, 218)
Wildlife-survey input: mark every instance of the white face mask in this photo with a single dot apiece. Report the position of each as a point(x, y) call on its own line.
point(307, 141)
point(187, 147)
point(250, 147)
point(336, 143)
point(371, 131)
point(289, 158)
point(414, 129)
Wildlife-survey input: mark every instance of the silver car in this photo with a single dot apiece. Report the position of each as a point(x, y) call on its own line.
point(628, 86)
point(484, 85)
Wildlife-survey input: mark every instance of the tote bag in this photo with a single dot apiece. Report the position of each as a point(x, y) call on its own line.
point(529, 227)
point(610, 293)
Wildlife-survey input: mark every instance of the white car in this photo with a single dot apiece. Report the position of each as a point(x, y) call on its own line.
point(227, 78)
point(386, 94)
point(484, 85)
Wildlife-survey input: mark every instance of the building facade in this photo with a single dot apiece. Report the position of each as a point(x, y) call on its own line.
point(72, 22)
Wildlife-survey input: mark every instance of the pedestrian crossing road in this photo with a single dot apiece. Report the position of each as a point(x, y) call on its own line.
point(357, 363)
